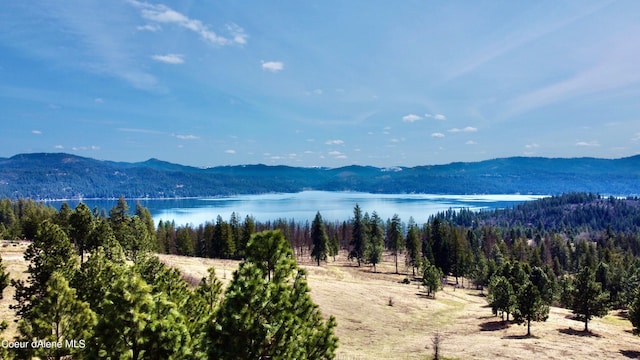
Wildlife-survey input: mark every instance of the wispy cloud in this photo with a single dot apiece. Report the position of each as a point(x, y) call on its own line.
point(334, 142)
point(149, 27)
point(141, 131)
point(85, 148)
point(437, 135)
point(435, 116)
point(169, 58)
point(471, 142)
point(273, 66)
point(159, 13)
point(636, 137)
point(187, 137)
point(411, 118)
point(466, 129)
point(230, 151)
point(36, 132)
point(612, 72)
point(520, 38)
point(588, 143)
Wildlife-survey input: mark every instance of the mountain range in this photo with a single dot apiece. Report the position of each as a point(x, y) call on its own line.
point(66, 176)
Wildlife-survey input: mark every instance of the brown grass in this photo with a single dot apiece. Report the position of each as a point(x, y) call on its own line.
point(369, 328)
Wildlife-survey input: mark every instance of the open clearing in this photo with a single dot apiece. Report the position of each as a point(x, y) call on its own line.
point(370, 328)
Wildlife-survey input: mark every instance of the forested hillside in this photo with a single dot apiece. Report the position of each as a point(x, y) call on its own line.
point(65, 176)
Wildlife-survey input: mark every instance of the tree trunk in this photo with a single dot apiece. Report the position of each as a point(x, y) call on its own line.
point(528, 327)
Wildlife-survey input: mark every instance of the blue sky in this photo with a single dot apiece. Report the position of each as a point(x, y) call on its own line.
point(326, 83)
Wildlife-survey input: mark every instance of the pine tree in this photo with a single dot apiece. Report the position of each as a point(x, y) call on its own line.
point(413, 247)
point(530, 305)
point(501, 296)
point(375, 241)
point(634, 311)
point(431, 277)
point(81, 223)
point(358, 234)
point(589, 299)
point(58, 317)
point(126, 311)
point(394, 237)
point(269, 313)
point(50, 251)
point(334, 246)
point(4, 278)
point(319, 239)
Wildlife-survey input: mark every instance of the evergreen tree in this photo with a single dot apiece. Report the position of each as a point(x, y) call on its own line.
point(358, 233)
point(200, 310)
point(394, 237)
point(319, 239)
point(50, 251)
point(4, 278)
point(412, 242)
point(501, 296)
point(530, 305)
point(634, 312)
point(334, 246)
point(130, 324)
point(147, 220)
point(81, 225)
point(58, 317)
point(431, 277)
point(375, 241)
point(589, 299)
point(269, 314)
point(248, 229)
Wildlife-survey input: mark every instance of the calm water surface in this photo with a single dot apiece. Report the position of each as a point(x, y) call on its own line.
point(334, 206)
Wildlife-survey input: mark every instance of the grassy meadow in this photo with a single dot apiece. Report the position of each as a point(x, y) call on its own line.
point(380, 317)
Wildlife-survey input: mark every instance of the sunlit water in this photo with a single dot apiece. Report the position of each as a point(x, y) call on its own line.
point(333, 206)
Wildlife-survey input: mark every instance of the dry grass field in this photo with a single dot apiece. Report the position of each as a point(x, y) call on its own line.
point(379, 317)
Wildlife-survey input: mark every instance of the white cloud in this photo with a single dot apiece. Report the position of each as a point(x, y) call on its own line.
point(636, 137)
point(230, 151)
point(59, 147)
point(437, 135)
point(149, 27)
point(471, 142)
point(36, 132)
point(169, 58)
point(435, 116)
point(466, 129)
point(532, 146)
point(163, 14)
point(142, 131)
point(587, 143)
point(411, 118)
point(273, 66)
point(85, 148)
point(187, 137)
point(334, 142)
point(98, 100)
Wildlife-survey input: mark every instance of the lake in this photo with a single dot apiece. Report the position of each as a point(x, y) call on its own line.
point(302, 206)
